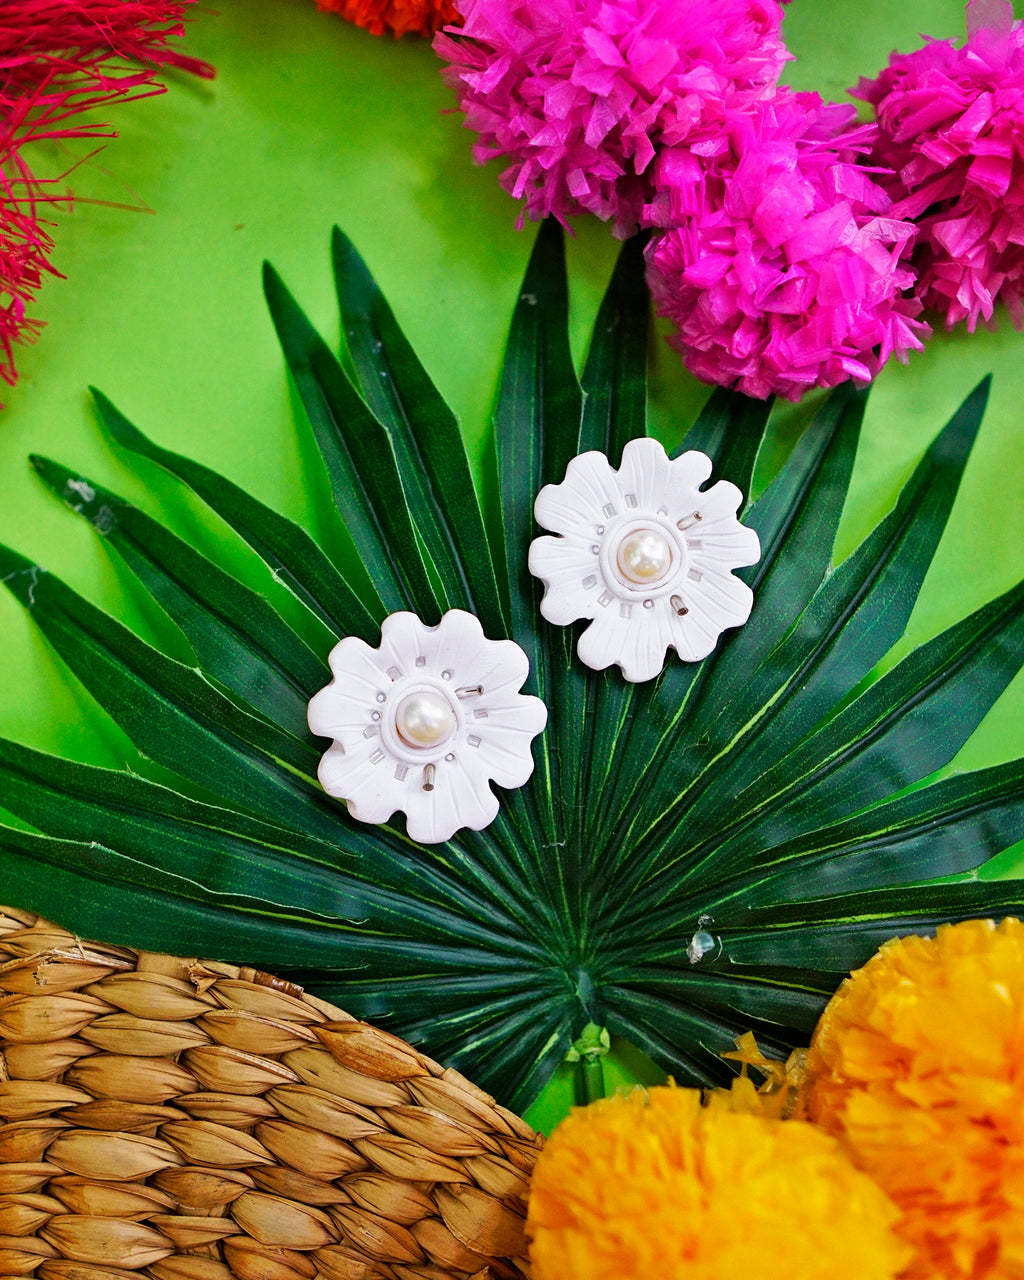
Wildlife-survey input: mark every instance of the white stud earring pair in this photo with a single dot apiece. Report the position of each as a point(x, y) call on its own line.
point(428, 720)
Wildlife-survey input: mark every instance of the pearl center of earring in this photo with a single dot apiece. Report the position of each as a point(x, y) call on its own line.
point(424, 718)
point(644, 556)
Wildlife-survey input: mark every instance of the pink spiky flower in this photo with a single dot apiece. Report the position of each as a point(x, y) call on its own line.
point(951, 124)
point(783, 267)
point(576, 96)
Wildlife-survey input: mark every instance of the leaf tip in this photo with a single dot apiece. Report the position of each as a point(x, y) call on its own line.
point(955, 441)
point(123, 431)
point(46, 468)
point(280, 302)
point(983, 389)
point(340, 242)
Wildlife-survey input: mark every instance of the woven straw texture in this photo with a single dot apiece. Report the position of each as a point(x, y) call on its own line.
point(194, 1121)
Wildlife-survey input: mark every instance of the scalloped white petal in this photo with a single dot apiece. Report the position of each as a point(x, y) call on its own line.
point(377, 773)
point(633, 625)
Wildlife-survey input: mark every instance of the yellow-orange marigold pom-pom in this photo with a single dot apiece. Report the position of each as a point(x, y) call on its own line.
point(657, 1185)
point(918, 1065)
point(422, 17)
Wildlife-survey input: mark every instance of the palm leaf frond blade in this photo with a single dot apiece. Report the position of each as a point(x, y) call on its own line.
point(289, 552)
point(430, 451)
point(359, 458)
point(238, 637)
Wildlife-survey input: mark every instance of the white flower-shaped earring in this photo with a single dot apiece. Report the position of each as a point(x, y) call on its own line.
point(645, 554)
point(425, 723)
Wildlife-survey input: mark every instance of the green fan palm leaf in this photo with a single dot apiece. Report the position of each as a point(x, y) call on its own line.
point(692, 858)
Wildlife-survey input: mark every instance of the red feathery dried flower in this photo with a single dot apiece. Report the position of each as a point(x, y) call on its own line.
point(783, 265)
point(421, 17)
point(58, 59)
point(951, 124)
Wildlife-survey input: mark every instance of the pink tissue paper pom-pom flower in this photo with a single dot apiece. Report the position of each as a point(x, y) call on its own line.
point(782, 267)
point(951, 125)
point(577, 95)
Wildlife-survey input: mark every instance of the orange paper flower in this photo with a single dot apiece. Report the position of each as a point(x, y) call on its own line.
point(657, 1185)
point(422, 17)
point(918, 1065)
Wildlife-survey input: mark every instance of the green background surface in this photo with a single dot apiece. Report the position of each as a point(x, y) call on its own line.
point(311, 122)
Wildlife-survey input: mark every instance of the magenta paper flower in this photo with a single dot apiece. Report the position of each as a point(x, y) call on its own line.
point(577, 95)
point(783, 267)
point(951, 123)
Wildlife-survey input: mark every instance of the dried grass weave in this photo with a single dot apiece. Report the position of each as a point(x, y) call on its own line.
point(195, 1121)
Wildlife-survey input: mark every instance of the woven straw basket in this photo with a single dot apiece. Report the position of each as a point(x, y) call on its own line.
point(193, 1121)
